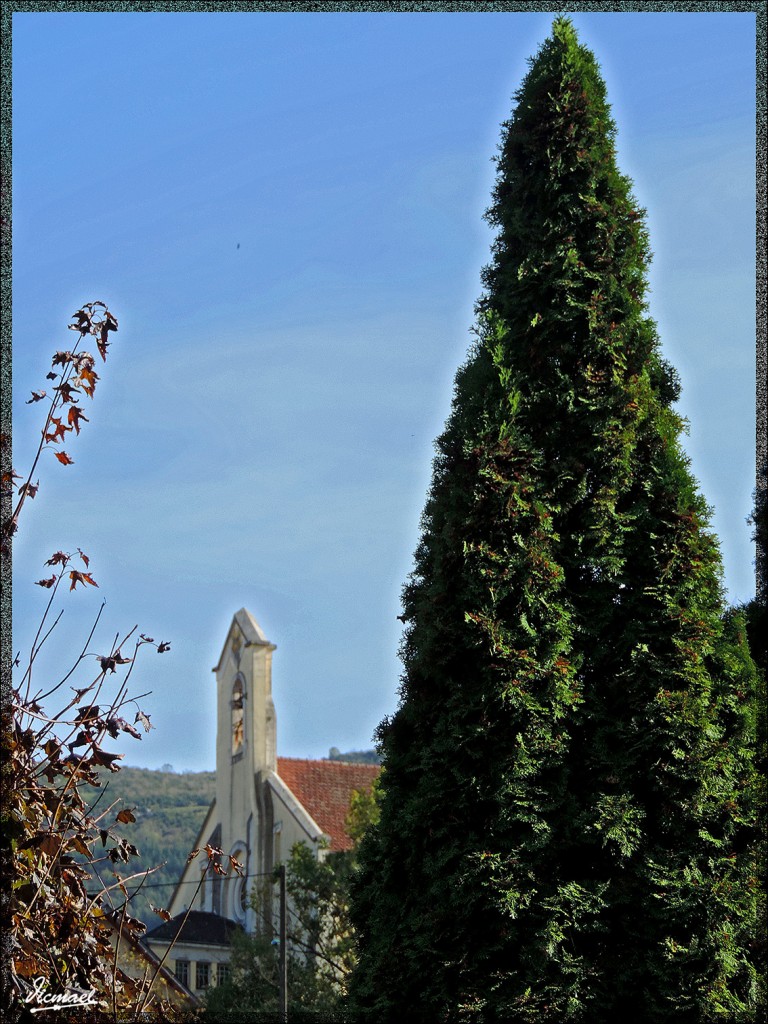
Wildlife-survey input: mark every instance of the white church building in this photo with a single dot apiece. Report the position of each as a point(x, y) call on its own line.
point(264, 804)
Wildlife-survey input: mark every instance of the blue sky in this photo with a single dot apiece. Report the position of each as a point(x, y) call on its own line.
point(284, 212)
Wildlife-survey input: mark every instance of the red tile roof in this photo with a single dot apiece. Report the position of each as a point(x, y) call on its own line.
point(325, 788)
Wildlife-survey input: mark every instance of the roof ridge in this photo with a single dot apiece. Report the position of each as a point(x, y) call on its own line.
point(329, 760)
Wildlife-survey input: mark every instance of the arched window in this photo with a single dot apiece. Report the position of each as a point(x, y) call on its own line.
point(238, 734)
point(237, 887)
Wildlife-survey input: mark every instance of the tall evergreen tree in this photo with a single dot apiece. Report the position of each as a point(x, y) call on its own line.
point(567, 802)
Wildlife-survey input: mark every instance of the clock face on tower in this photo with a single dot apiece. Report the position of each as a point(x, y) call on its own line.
point(238, 736)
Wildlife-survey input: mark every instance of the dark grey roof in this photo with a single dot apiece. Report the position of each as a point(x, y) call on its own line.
point(200, 927)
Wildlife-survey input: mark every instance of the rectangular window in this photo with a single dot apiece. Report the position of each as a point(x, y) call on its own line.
point(203, 974)
point(182, 971)
point(222, 973)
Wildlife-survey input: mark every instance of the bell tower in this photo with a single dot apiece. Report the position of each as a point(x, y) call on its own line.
point(246, 726)
point(245, 753)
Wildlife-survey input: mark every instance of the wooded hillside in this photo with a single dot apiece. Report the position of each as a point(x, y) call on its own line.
point(169, 809)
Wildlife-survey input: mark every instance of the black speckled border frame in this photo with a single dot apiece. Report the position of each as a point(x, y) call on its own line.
point(9, 7)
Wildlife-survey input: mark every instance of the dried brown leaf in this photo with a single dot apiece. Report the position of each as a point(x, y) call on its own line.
point(74, 416)
point(81, 577)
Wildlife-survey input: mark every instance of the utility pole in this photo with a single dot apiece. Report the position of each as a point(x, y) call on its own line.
point(283, 950)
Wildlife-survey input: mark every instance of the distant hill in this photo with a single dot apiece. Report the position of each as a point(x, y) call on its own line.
point(169, 808)
point(356, 756)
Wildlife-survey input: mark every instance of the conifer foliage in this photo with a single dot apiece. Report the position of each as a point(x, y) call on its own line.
point(567, 804)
